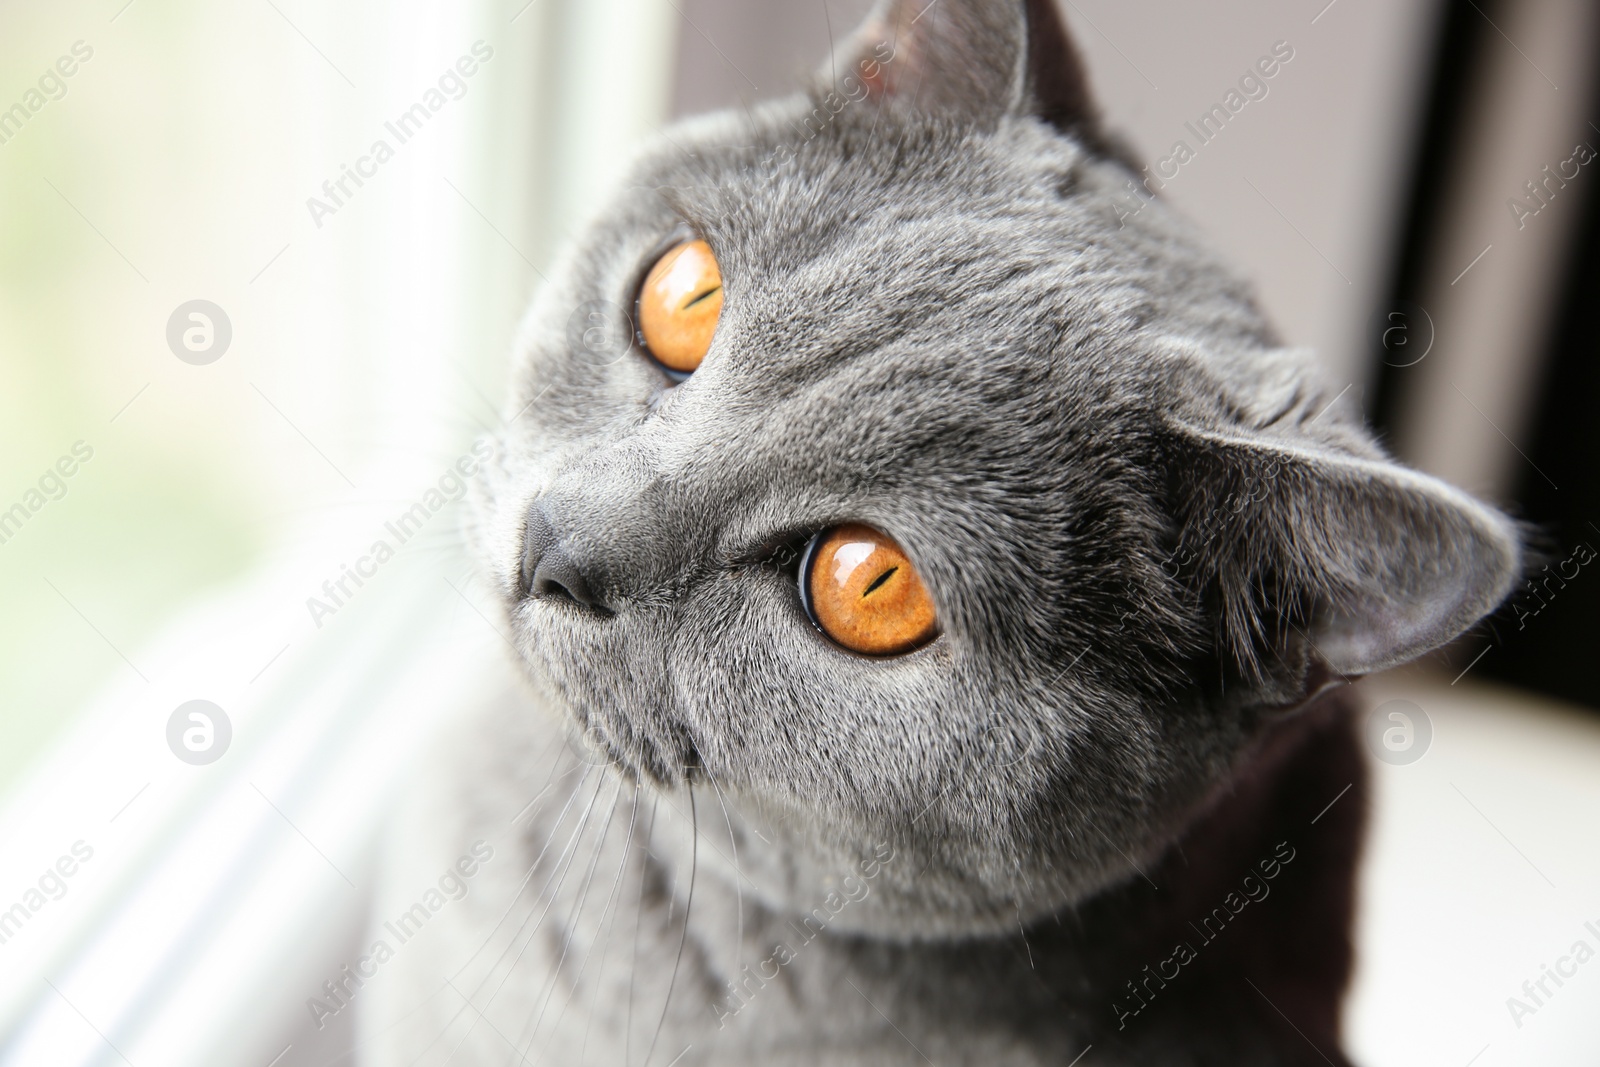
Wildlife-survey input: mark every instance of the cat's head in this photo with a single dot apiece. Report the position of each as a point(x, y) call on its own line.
point(1144, 529)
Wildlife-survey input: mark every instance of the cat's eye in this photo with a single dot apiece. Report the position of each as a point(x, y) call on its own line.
point(679, 304)
point(860, 589)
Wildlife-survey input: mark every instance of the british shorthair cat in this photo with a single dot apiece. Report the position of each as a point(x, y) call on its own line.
point(934, 612)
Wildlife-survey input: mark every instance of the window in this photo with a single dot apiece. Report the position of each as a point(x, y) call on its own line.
point(362, 196)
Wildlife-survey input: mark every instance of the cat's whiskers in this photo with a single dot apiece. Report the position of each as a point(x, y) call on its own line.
point(449, 982)
point(528, 876)
point(466, 999)
point(472, 387)
point(559, 867)
point(532, 1027)
point(550, 782)
point(738, 874)
point(688, 908)
point(833, 63)
point(564, 865)
point(605, 950)
point(638, 915)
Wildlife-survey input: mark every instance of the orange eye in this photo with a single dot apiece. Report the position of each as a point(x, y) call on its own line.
point(861, 590)
point(679, 304)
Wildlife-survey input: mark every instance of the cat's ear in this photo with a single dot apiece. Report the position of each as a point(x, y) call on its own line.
point(980, 59)
point(1368, 563)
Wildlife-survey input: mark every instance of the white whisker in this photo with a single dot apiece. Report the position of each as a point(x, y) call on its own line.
point(526, 878)
point(450, 981)
point(688, 906)
point(562, 867)
point(572, 925)
point(738, 874)
point(638, 915)
point(605, 950)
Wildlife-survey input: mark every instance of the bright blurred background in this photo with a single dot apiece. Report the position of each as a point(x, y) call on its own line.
point(1368, 195)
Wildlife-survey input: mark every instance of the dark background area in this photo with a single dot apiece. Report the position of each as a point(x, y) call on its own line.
point(1544, 638)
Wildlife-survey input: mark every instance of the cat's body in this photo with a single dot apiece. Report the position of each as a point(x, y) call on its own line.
point(1152, 539)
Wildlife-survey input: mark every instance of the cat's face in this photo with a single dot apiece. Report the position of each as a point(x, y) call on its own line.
point(937, 323)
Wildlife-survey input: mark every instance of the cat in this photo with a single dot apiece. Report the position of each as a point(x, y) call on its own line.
point(1074, 774)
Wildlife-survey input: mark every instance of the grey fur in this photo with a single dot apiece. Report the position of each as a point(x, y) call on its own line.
point(1147, 533)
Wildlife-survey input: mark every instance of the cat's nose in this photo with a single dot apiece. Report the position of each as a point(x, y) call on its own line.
point(549, 570)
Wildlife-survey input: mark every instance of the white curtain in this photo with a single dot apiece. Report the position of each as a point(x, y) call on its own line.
point(371, 321)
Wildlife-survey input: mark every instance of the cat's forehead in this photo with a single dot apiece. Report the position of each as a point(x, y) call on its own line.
point(875, 232)
point(872, 194)
point(893, 283)
point(884, 224)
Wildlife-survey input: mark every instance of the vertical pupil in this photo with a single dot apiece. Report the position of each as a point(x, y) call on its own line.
point(679, 303)
point(878, 581)
point(695, 300)
point(860, 589)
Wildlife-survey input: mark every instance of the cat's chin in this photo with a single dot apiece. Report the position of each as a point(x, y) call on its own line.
point(820, 876)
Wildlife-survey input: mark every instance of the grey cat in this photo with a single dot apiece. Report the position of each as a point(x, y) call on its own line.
point(1112, 808)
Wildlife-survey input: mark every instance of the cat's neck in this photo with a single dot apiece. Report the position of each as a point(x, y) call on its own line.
point(1244, 918)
